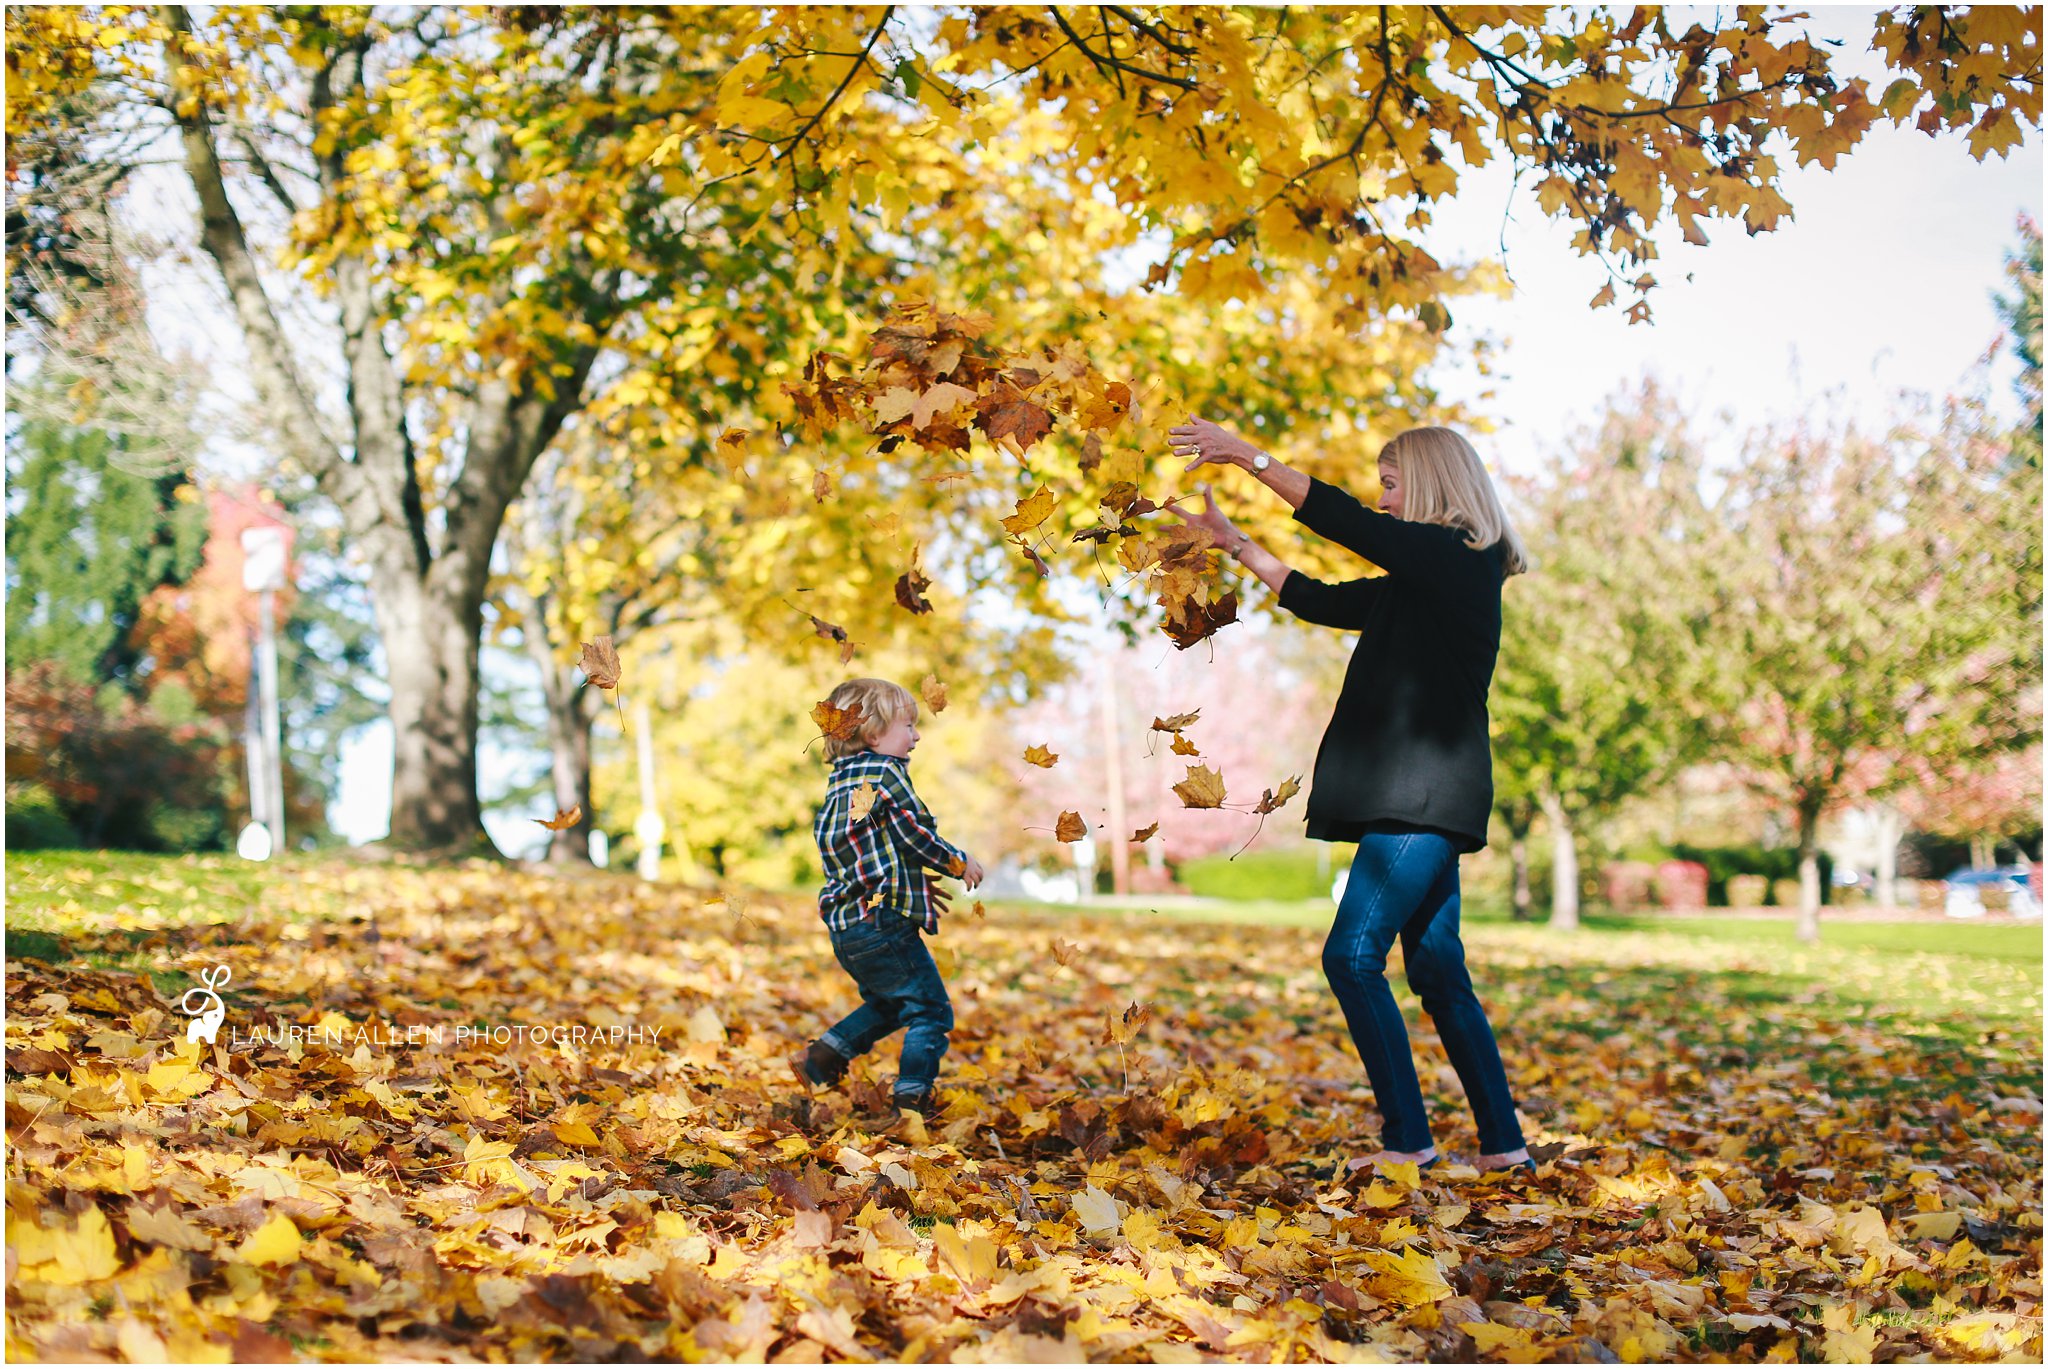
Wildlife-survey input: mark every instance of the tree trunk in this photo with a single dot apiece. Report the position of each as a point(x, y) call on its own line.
point(1890, 828)
point(569, 722)
point(1119, 836)
point(1809, 872)
point(431, 657)
point(1518, 855)
point(1983, 851)
point(1564, 870)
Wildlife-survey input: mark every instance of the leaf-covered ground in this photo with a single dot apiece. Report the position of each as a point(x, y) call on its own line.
point(1751, 1154)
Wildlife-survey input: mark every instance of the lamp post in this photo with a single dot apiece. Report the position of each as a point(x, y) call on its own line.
point(264, 551)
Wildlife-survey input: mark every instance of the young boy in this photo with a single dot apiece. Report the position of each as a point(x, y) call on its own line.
point(878, 894)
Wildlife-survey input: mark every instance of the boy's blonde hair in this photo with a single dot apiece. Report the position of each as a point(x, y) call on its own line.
point(881, 703)
point(1444, 482)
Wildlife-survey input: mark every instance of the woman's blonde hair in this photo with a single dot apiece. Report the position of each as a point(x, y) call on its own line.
point(1444, 482)
point(881, 703)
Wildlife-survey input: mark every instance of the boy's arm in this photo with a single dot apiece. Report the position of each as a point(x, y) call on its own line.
point(914, 826)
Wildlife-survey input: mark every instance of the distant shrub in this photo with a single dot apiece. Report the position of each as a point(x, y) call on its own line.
point(34, 822)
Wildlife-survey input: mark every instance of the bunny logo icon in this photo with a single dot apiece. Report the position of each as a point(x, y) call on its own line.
point(206, 1019)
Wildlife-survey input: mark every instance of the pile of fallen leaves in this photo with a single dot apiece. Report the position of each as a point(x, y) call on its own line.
point(1142, 1155)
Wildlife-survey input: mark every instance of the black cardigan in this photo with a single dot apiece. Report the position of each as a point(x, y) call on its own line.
point(1407, 746)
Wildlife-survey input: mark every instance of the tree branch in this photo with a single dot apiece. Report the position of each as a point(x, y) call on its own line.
point(222, 235)
point(1110, 63)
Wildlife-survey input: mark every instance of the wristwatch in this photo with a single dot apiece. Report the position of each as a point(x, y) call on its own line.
point(1261, 461)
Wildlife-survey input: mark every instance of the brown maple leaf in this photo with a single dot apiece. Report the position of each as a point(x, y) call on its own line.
point(1203, 788)
point(1032, 554)
point(1070, 827)
point(563, 819)
point(836, 724)
point(1274, 799)
point(821, 486)
point(934, 694)
point(1201, 620)
point(600, 663)
point(1015, 418)
point(1041, 757)
point(911, 585)
point(1145, 833)
point(1064, 952)
point(1176, 722)
point(1091, 452)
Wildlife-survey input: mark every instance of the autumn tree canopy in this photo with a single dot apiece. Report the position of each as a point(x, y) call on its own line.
point(504, 224)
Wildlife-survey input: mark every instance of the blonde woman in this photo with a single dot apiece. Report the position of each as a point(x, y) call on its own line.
point(1404, 769)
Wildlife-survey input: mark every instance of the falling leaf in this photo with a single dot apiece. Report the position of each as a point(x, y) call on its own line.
point(861, 802)
point(563, 820)
point(978, 910)
point(601, 667)
point(939, 399)
point(1272, 799)
point(732, 446)
point(1031, 511)
point(1123, 1027)
point(934, 694)
point(821, 485)
point(1091, 452)
point(1040, 756)
point(1183, 747)
point(601, 663)
point(1605, 297)
point(836, 724)
point(1064, 952)
point(1031, 554)
point(1145, 833)
point(1176, 722)
point(1203, 788)
point(911, 585)
point(1070, 827)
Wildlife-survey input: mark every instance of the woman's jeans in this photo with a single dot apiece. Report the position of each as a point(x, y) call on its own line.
point(899, 987)
point(1406, 885)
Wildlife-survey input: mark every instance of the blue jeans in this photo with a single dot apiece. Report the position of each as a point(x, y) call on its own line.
point(1406, 885)
point(899, 987)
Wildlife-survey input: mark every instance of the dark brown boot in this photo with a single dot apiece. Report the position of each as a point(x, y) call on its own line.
point(819, 1066)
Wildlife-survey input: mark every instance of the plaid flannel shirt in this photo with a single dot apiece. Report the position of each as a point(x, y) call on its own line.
point(880, 861)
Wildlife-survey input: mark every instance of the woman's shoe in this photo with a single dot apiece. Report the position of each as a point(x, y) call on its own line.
point(1346, 1167)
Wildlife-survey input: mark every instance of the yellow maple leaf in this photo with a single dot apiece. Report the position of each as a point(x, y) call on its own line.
point(1031, 511)
point(861, 802)
point(1041, 757)
point(1203, 788)
point(277, 1241)
point(1410, 1278)
point(1097, 1211)
point(934, 694)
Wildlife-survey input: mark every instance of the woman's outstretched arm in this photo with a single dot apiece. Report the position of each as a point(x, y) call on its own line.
point(1213, 444)
point(1270, 569)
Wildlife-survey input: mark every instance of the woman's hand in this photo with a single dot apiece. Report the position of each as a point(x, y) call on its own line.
point(1211, 443)
point(1210, 518)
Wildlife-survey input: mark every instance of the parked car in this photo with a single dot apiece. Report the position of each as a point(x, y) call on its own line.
point(1964, 891)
